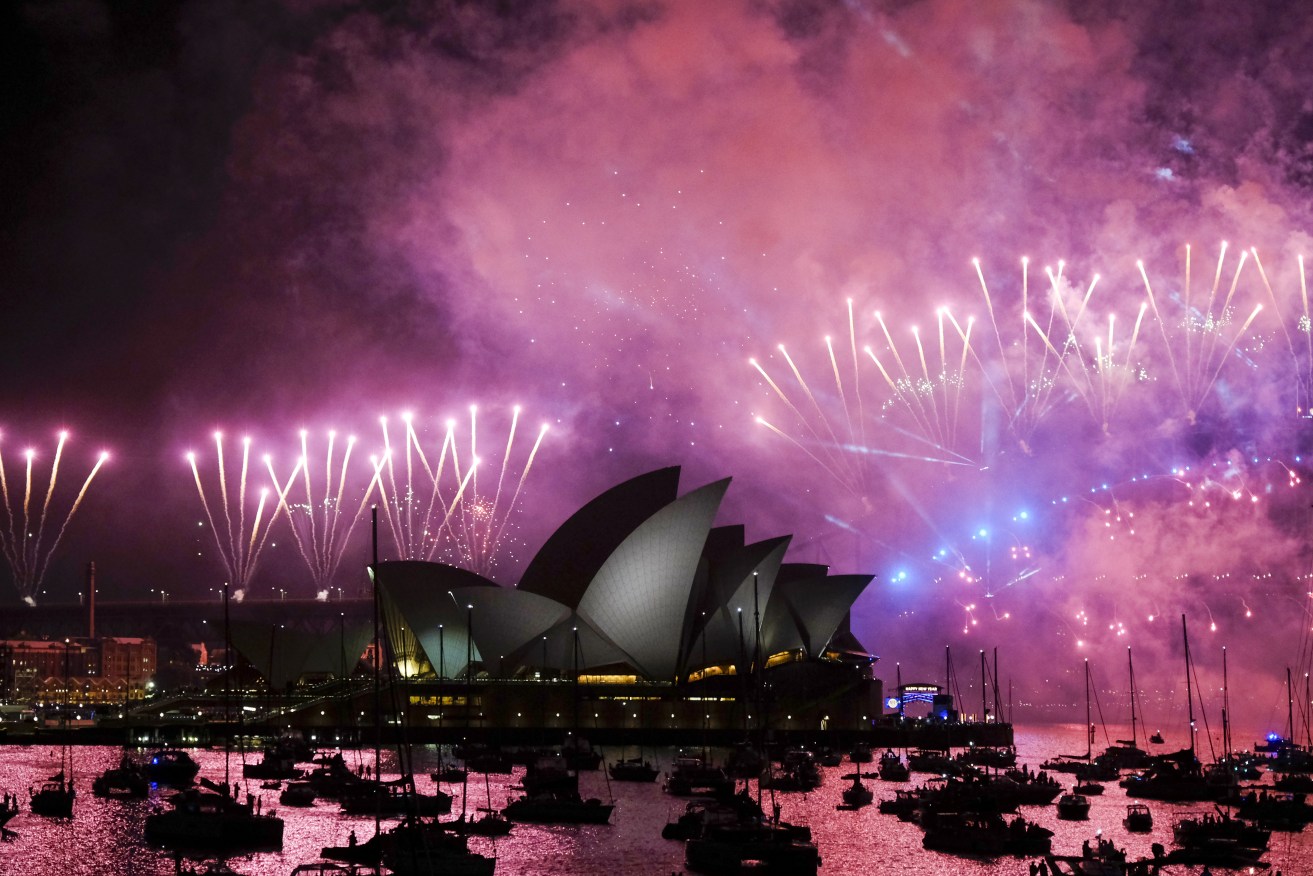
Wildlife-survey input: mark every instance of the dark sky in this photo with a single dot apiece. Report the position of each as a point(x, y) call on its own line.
point(262, 217)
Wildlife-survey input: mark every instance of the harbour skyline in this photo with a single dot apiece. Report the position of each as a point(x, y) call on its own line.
point(308, 216)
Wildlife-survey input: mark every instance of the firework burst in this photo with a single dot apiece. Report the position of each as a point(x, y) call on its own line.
point(23, 540)
point(1199, 340)
point(238, 544)
point(439, 509)
point(320, 510)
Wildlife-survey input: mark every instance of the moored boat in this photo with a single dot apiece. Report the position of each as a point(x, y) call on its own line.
point(1139, 819)
point(633, 770)
point(214, 820)
point(171, 766)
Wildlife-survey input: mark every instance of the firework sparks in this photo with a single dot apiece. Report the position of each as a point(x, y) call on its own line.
point(321, 525)
point(1197, 342)
point(239, 546)
point(439, 509)
point(23, 541)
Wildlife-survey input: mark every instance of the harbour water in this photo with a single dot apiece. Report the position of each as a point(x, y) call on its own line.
point(105, 837)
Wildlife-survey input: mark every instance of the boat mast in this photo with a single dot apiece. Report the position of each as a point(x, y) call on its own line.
point(227, 689)
point(1089, 728)
point(984, 709)
point(1226, 705)
point(1130, 663)
point(1189, 690)
point(998, 706)
point(378, 695)
point(898, 674)
point(1290, 709)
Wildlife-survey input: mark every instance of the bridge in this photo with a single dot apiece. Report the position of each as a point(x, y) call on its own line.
point(173, 622)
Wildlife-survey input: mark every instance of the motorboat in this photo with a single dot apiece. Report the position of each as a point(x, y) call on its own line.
point(633, 770)
point(213, 819)
point(298, 794)
point(1073, 807)
point(171, 766)
point(1138, 818)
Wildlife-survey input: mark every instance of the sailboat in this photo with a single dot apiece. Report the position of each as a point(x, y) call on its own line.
point(56, 794)
point(212, 817)
point(763, 844)
point(1178, 776)
point(1232, 767)
point(1083, 765)
point(417, 846)
point(1126, 754)
point(857, 795)
point(552, 789)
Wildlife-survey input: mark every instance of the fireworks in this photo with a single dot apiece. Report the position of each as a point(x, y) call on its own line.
point(324, 513)
point(1046, 393)
point(238, 544)
point(1193, 341)
point(23, 540)
point(439, 509)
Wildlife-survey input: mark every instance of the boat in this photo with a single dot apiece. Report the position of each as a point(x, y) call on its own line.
point(762, 848)
point(1138, 818)
point(333, 778)
point(892, 768)
point(561, 807)
point(1275, 810)
point(171, 766)
point(741, 808)
point(449, 773)
point(414, 847)
point(633, 770)
point(1101, 858)
point(1073, 807)
point(691, 774)
point(213, 819)
point(333, 868)
point(54, 797)
point(1198, 829)
point(1089, 789)
point(977, 834)
point(1176, 777)
point(209, 868)
point(490, 823)
point(392, 798)
point(298, 794)
point(126, 781)
point(798, 772)
point(1126, 754)
point(932, 760)
point(997, 757)
point(904, 804)
point(273, 764)
point(745, 762)
point(8, 809)
point(861, 753)
point(579, 753)
point(857, 795)
point(482, 759)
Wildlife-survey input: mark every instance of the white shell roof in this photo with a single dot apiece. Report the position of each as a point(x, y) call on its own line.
point(640, 595)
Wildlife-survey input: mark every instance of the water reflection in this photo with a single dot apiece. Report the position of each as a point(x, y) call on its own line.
point(105, 836)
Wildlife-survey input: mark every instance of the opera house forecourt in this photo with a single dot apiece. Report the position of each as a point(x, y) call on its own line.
point(637, 618)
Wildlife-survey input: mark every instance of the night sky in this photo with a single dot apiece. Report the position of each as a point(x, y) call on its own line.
point(263, 217)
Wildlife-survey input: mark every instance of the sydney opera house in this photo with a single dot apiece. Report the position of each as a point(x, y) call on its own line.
point(637, 613)
point(645, 602)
